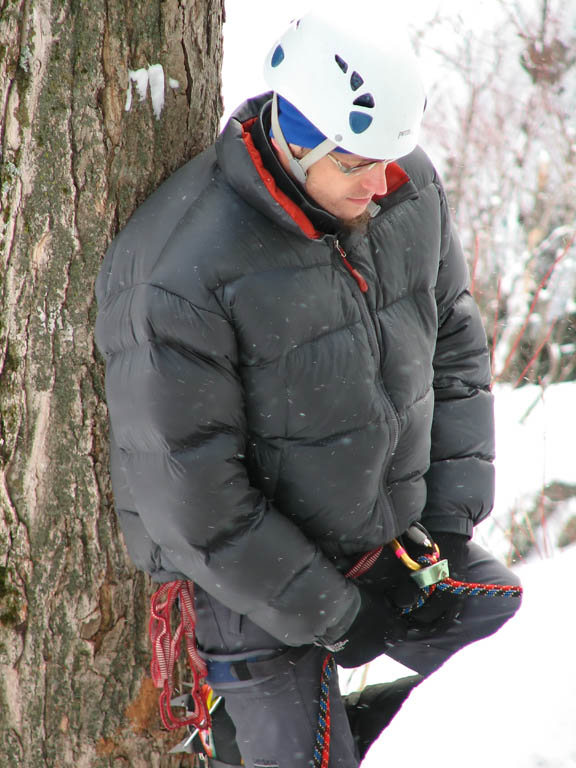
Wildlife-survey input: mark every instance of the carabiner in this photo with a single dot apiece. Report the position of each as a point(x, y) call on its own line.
point(424, 575)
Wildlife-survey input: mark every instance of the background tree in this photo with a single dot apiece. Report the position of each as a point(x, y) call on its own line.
point(74, 165)
point(502, 128)
point(502, 124)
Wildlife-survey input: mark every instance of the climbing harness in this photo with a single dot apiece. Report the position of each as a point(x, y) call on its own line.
point(430, 572)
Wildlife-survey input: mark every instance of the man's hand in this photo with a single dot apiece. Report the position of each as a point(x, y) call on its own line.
point(390, 575)
point(443, 608)
point(377, 625)
point(385, 589)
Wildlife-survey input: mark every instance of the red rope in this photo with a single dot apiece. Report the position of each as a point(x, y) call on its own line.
point(321, 755)
point(166, 648)
point(471, 589)
point(322, 745)
point(462, 588)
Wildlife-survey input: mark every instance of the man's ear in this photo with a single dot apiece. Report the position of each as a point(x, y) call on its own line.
point(285, 161)
point(294, 148)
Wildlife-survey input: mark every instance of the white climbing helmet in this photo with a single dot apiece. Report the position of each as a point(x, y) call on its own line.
point(354, 75)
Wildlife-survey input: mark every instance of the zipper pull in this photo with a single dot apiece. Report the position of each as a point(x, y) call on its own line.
point(362, 284)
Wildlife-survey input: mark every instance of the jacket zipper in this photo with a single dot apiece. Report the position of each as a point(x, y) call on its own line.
point(362, 284)
point(369, 324)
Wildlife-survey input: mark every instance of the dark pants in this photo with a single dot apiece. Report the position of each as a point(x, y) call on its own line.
point(272, 692)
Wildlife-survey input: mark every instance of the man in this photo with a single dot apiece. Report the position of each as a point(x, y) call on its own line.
point(296, 376)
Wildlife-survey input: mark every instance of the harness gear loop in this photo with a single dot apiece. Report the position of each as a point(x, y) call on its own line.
point(166, 648)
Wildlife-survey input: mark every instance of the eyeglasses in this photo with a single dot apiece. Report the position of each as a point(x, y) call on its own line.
point(349, 170)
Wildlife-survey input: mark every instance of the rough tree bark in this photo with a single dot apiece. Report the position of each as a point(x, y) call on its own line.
point(73, 646)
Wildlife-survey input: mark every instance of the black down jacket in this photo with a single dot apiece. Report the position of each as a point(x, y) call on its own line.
point(273, 412)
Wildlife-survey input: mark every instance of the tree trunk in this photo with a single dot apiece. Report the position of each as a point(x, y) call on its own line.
point(74, 655)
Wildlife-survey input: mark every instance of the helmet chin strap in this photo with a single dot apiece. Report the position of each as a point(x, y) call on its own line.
point(373, 208)
point(299, 168)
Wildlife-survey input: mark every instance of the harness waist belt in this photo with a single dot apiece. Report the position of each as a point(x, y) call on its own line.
point(253, 667)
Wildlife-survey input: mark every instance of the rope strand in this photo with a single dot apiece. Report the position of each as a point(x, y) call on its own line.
point(322, 745)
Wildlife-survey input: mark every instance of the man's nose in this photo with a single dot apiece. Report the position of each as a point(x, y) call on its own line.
point(375, 179)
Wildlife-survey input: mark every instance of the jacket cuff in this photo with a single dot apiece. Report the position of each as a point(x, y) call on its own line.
point(338, 630)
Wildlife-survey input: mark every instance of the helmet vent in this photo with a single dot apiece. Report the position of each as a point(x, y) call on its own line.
point(341, 63)
point(356, 81)
point(277, 56)
point(365, 100)
point(359, 121)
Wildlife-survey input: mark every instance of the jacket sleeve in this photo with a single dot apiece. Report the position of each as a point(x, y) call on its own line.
point(460, 481)
point(175, 401)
